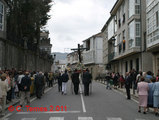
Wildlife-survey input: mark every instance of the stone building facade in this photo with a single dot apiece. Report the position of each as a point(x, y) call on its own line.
point(126, 30)
point(18, 57)
point(45, 42)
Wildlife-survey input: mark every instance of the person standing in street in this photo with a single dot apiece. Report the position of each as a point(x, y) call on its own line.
point(25, 89)
point(65, 79)
point(4, 89)
point(128, 84)
point(75, 80)
point(142, 89)
point(156, 97)
point(50, 79)
point(39, 84)
point(87, 77)
point(150, 93)
point(59, 82)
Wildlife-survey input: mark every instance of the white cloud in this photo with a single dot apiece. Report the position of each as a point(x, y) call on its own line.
point(75, 20)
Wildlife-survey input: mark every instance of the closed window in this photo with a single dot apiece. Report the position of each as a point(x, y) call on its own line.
point(131, 30)
point(137, 9)
point(1, 15)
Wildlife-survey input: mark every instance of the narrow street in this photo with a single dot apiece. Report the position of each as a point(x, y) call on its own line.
point(102, 104)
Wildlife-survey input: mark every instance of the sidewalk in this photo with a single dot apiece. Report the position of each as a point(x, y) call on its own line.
point(123, 90)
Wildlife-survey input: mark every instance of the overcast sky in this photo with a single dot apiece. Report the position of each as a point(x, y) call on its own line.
point(73, 21)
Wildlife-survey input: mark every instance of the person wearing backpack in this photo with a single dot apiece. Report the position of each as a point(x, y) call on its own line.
point(65, 79)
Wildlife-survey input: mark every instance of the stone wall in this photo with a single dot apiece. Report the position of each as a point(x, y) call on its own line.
point(13, 56)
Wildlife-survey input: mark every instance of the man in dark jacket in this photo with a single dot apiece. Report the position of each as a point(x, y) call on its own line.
point(39, 84)
point(75, 80)
point(87, 77)
point(59, 82)
point(25, 89)
point(128, 81)
point(65, 79)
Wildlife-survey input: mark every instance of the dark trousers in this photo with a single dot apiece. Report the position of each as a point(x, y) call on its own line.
point(39, 90)
point(76, 88)
point(50, 83)
point(9, 95)
point(60, 87)
point(86, 89)
point(128, 92)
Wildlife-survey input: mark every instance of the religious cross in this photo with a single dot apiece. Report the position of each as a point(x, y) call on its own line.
point(79, 49)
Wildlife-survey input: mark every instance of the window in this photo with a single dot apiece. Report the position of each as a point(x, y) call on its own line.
point(138, 40)
point(131, 8)
point(126, 66)
point(131, 36)
point(120, 45)
point(134, 7)
point(1, 15)
point(137, 9)
point(119, 21)
point(124, 40)
point(131, 64)
point(137, 28)
point(123, 18)
point(137, 1)
point(88, 44)
point(123, 12)
point(137, 64)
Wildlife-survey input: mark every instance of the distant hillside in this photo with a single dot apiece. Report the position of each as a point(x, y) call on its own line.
point(60, 56)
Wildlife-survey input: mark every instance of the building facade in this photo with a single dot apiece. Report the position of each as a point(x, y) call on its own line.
point(126, 37)
point(12, 55)
point(45, 42)
point(72, 60)
point(152, 19)
point(93, 55)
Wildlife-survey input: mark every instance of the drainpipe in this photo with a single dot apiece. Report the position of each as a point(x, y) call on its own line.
point(141, 34)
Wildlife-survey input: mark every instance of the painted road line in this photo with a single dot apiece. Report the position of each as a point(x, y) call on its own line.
point(114, 119)
point(28, 119)
point(49, 112)
point(85, 118)
point(56, 118)
point(139, 119)
point(6, 116)
point(83, 105)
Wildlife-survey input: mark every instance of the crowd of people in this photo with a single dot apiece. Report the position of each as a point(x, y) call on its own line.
point(146, 84)
point(15, 84)
point(21, 84)
point(75, 78)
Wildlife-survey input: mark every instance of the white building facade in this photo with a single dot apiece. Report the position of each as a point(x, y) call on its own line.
point(152, 19)
point(126, 30)
point(93, 55)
